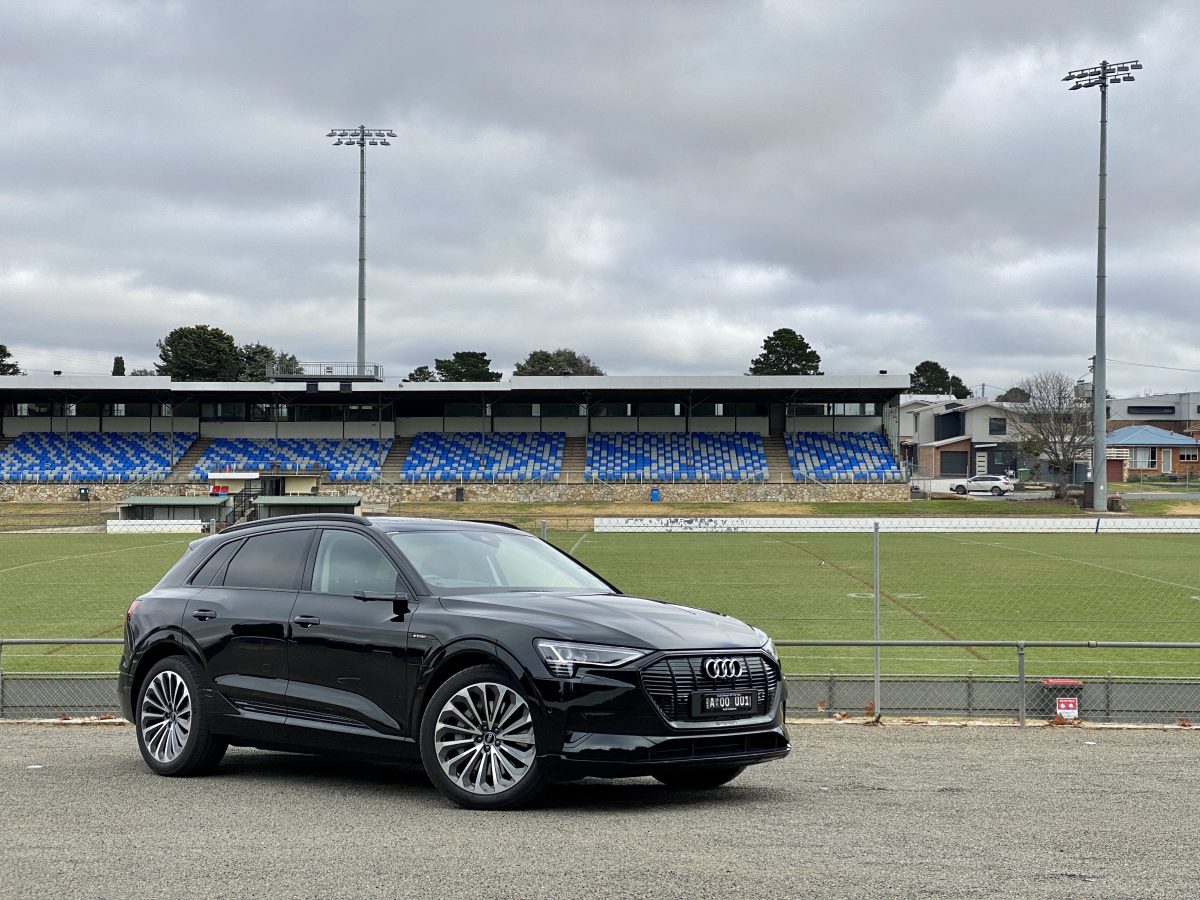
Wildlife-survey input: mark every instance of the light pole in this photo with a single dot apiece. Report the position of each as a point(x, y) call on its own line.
point(1101, 76)
point(360, 137)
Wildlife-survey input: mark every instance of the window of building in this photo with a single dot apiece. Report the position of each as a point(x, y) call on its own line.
point(1189, 455)
point(1144, 458)
point(997, 425)
point(1151, 410)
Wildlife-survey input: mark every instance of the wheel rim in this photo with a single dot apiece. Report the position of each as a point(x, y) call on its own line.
point(165, 716)
point(484, 739)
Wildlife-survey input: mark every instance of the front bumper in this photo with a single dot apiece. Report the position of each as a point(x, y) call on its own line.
point(627, 756)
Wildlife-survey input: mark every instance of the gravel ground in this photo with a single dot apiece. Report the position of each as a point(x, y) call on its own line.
point(893, 811)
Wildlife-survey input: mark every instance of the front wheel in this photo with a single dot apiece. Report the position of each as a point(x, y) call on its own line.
point(960, 489)
point(996, 492)
point(700, 778)
point(172, 727)
point(477, 740)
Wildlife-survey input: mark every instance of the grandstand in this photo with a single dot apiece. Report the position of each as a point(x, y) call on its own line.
point(676, 456)
point(544, 437)
point(476, 456)
point(842, 456)
point(37, 456)
point(352, 459)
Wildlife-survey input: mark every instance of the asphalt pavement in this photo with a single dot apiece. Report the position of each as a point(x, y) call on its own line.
point(891, 811)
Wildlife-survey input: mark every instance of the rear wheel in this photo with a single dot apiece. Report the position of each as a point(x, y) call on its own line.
point(172, 727)
point(478, 743)
point(700, 778)
point(960, 489)
point(997, 491)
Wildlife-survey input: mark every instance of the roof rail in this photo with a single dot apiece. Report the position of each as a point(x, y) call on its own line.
point(299, 517)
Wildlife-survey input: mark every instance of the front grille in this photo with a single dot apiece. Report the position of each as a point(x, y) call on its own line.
point(670, 683)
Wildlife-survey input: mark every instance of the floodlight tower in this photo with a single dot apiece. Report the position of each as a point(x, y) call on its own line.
point(360, 137)
point(1101, 76)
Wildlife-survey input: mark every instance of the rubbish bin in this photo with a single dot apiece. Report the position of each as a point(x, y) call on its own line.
point(84, 495)
point(1061, 697)
point(655, 495)
point(1024, 474)
point(1114, 503)
point(459, 494)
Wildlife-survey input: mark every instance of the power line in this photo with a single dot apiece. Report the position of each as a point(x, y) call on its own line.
point(1125, 362)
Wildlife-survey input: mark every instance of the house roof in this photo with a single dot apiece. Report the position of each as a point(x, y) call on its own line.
point(1148, 436)
point(308, 500)
point(205, 500)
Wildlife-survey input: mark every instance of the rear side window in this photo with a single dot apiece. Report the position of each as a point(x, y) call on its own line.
point(215, 564)
point(270, 561)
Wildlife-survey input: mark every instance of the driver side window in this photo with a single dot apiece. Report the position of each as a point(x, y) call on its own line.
point(348, 562)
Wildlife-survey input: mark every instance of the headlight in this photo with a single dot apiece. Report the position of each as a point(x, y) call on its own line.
point(769, 647)
point(562, 658)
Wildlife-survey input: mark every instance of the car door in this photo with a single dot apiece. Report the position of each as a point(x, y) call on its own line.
point(346, 654)
point(239, 619)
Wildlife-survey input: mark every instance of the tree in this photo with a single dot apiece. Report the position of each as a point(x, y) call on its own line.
point(932, 378)
point(141, 372)
point(1054, 422)
point(421, 373)
point(466, 365)
point(557, 362)
point(1015, 394)
point(118, 365)
point(254, 359)
point(198, 353)
point(8, 365)
point(786, 353)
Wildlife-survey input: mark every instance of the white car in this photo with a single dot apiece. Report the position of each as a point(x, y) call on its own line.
point(993, 484)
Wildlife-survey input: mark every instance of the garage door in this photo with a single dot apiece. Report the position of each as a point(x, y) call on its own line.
point(953, 462)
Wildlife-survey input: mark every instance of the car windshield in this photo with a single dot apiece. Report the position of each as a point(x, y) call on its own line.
point(460, 561)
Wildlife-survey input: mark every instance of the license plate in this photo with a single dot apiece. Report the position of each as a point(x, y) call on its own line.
point(723, 704)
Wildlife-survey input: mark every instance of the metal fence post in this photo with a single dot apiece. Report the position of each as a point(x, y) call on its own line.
point(878, 707)
point(1, 679)
point(543, 529)
point(1021, 683)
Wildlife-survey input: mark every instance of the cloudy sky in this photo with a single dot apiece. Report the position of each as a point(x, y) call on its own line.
point(656, 184)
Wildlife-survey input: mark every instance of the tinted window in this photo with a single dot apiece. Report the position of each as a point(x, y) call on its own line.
point(215, 564)
point(269, 561)
point(348, 562)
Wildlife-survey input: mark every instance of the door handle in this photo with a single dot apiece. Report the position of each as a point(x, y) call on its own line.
point(204, 614)
point(306, 621)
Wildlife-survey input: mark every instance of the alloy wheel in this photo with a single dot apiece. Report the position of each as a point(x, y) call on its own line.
point(165, 716)
point(484, 738)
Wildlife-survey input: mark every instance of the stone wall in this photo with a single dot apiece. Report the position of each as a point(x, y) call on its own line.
point(379, 493)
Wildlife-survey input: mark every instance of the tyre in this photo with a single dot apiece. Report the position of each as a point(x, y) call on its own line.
point(960, 489)
point(478, 742)
point(997, 492)
point(699, 779)
point(172, 726)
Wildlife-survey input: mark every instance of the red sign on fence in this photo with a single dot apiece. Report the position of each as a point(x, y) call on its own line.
point(1067, 707)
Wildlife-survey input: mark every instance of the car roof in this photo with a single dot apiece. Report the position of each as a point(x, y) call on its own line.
point(387, 523)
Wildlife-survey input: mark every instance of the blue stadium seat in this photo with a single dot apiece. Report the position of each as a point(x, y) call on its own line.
point(480, 456)
point(92, 456)
point(851, 456)
point(675, 456)
point(349, 459)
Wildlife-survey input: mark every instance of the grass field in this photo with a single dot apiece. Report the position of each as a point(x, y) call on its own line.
point(797, 586)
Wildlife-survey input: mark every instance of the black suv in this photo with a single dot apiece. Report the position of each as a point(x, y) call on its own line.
point(496, 659)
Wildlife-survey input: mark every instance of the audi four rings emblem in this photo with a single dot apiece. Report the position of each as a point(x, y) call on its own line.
point(724, 667)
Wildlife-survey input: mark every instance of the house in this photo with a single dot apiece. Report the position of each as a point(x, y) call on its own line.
point(1142, 451)
point(974, 436)
point(1172, 412)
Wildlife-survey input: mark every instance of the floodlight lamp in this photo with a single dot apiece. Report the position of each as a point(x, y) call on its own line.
point(373, 143)
point(393, 134)
point(1122, 68)
point(1136, 65)
point(1114, 81)
point(1127, 78)
point(338, 142)
point(331, 134)
point(1076, 86)
point(389, 143)
point(1068, 77)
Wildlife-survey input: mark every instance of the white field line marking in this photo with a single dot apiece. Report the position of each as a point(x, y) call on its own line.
point(575, 546)
point(58, 559)
point(1080, 562)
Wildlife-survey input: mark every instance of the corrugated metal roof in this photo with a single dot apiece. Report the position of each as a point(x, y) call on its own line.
point(202, 500)
point(1148, 436)
point(307, 500)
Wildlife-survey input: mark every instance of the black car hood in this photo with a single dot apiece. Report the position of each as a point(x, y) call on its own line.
point(614, 619)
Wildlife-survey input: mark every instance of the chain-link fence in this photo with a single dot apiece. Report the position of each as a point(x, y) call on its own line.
point(1117, 611)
